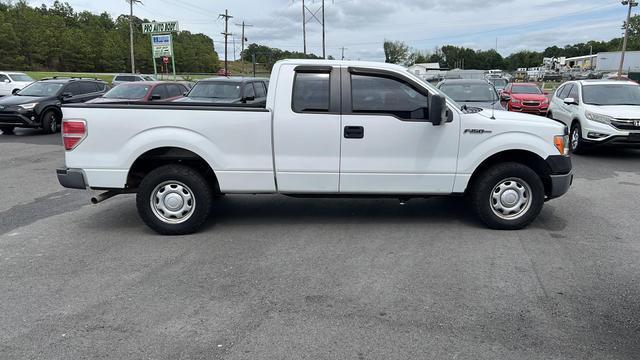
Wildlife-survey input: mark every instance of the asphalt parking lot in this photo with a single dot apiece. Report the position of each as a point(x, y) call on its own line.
point(278, 278)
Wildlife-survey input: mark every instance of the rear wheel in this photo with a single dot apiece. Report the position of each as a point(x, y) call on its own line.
point(508, 196)
point(7, 129)
point(174, 200)
point(50, 122)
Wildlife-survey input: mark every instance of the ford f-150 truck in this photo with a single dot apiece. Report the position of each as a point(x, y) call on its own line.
point(329, 128)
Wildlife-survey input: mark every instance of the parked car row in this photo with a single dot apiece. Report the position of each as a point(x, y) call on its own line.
point(38, 104)
point(11, 82)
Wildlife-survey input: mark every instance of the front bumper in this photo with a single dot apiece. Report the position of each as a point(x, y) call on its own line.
point(19, 118)
point(560, 184)
point(71, 178)
point(561, 176)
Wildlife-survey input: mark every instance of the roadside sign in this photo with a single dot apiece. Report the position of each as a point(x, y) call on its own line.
point(160, 27)
point(161, 45)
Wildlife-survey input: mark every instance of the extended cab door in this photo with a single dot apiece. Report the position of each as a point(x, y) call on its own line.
point(389, 146)
point(306, 129)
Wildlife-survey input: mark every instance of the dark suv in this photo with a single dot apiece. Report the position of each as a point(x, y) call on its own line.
point(234, 90)
point(38, 104)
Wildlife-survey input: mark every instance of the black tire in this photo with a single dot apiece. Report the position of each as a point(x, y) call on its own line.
point(50, 122)
point(7, 130)
point(483, 200)
point(580, 146)
point(180, 175)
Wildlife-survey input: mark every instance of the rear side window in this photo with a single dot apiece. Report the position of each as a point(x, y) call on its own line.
point(311, 92)
point(260, 90)
point(384, 95)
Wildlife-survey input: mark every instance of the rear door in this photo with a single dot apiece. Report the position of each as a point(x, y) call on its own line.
point(388, 144)
point(306, 129)
point(5, 85)
point(564, 113)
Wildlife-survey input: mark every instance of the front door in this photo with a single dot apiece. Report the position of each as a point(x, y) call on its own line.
point(388, 144)
point(306, 136)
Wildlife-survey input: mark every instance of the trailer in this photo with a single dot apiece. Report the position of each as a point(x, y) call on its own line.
point(610, 61)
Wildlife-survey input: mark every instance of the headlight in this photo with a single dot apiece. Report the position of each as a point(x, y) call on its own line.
point(605, 119)
point(515, 101)
point(28, 106)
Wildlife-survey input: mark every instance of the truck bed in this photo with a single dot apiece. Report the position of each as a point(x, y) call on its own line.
point(118, 134)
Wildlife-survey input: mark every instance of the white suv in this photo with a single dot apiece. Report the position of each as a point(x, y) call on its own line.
point(10, 82)
point(598, 112)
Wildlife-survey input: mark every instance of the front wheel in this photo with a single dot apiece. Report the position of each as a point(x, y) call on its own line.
point(578, 145)
point(174, 200)
point(508, 196)
point(50, 122)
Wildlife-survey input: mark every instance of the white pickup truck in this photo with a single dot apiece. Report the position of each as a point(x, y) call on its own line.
point(329, 128)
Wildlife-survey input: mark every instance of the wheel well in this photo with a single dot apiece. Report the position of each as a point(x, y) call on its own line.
point(524, 157)
point(54, 109)
point(155, 158)
point(573, 122)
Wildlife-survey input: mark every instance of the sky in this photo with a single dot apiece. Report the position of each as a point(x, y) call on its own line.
point(361, 26)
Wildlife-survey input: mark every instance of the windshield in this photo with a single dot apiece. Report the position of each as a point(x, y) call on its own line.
point(526, 90)
point(499, 83)
point(127, 91)
point(216, 90)
point(20, 77)
point(41, 89)
point(148, 78)
point(470, 92)
point(611, 94)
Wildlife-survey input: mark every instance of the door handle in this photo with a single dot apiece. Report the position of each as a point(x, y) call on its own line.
point(353, 132)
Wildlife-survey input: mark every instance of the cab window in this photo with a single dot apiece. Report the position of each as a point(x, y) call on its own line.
point(311, 92)
point(385, 95)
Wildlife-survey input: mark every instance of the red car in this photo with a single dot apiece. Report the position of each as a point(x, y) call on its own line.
point(526, 97)
point(143, 91)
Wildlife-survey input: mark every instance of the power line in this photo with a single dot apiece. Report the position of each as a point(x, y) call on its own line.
point(133, 56)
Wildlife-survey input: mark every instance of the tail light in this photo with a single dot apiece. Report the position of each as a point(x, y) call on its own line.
point(73, 132)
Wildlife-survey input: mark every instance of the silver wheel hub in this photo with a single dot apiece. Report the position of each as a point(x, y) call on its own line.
point(575, 138)
point(511, 198)
point(172, 202)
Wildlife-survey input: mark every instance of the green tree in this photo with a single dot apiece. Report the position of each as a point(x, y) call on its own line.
point(395, 52)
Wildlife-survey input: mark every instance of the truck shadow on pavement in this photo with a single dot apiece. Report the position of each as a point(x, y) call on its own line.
point(285, 210)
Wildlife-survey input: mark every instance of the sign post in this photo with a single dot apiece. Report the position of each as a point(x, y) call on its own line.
point(162, 42)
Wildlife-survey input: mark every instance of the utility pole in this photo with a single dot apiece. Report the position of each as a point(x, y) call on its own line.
point(630, 3)
point(343, 49)
point(324, 53)
point(226, 34)
point(320, 20)
point(304, 28)
point(133, 56)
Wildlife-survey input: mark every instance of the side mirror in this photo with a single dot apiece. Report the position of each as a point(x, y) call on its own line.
point(437, 109)
point(15, 91)
point(185, 93)
point(570, 101)
point(67, 95)
point(249, 98)
point(545, 92)
point(156, 97)
point(6, 81)
point(505, 97)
